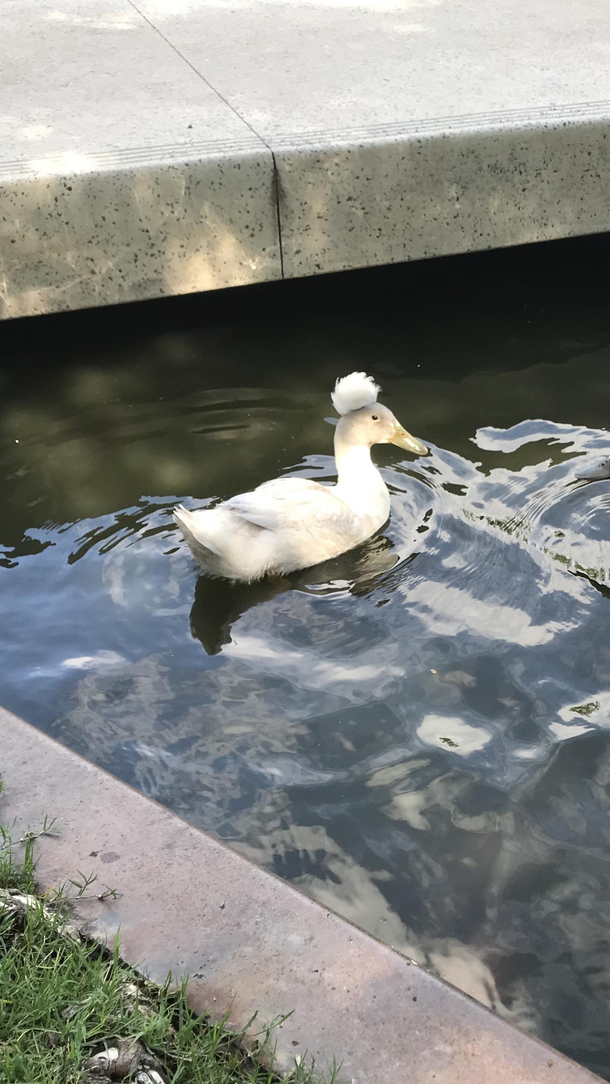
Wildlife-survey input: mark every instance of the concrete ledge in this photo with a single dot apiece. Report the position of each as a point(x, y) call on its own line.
point(138, 225)
point(157, 147)
point(123, 175)
point(250, 941)
point(403, 130)
point(382, 195)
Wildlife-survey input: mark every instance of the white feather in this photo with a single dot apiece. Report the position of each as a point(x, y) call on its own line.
point(353, 392)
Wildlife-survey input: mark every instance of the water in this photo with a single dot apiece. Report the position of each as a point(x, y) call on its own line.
point(418, 733)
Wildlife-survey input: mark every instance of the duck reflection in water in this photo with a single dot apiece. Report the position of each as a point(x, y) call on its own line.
point(219, 604)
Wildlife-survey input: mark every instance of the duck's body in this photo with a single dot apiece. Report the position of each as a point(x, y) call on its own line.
point(293, 523)
point(284, 525)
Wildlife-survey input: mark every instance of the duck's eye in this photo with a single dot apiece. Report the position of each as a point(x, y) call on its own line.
point(375, 417)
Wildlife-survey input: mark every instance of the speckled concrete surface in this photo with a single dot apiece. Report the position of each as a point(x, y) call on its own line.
point(410, 128)
point(446, 189)
point(249, 941)
point(129, 230)
point(122, 174)
point(373, 131)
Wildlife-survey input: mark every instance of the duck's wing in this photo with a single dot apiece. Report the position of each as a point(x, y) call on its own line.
point(288, 502)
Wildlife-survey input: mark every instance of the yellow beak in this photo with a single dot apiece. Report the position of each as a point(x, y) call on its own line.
point(402, 439)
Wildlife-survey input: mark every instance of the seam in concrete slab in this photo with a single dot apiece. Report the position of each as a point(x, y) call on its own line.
point(193, 68)
point(276, 179)
point(277, 190)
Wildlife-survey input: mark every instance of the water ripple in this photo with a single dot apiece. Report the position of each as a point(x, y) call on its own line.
point(417, 732)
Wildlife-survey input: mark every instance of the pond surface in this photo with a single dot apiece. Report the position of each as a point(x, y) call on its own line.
point(417, 734)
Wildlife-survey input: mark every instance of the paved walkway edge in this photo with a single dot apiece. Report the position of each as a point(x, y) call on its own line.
point(157, 149)
point(174, 220)
point(250, 942)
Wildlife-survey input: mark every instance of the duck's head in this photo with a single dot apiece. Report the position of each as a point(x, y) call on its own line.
point(364, 421)
point(595, 472)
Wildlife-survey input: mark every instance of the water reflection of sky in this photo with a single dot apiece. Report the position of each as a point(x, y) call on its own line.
point(417, 733)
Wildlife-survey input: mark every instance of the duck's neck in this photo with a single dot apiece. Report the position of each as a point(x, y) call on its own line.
point(359, 482)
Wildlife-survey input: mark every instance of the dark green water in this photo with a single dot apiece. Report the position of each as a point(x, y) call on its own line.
point(417, 734)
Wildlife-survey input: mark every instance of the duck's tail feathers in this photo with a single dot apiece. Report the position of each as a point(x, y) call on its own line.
point(202, 549)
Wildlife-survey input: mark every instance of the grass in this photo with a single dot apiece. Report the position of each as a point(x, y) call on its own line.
point(64, 999)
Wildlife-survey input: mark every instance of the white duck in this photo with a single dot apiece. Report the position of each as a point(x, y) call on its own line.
point(293, 523)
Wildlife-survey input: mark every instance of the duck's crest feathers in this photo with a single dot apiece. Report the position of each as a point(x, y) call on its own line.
point(353, 392)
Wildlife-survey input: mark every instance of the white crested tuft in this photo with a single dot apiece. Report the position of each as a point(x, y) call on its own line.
point(353, 392)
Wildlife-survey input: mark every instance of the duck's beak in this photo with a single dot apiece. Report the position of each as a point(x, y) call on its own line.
point(402, 439)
